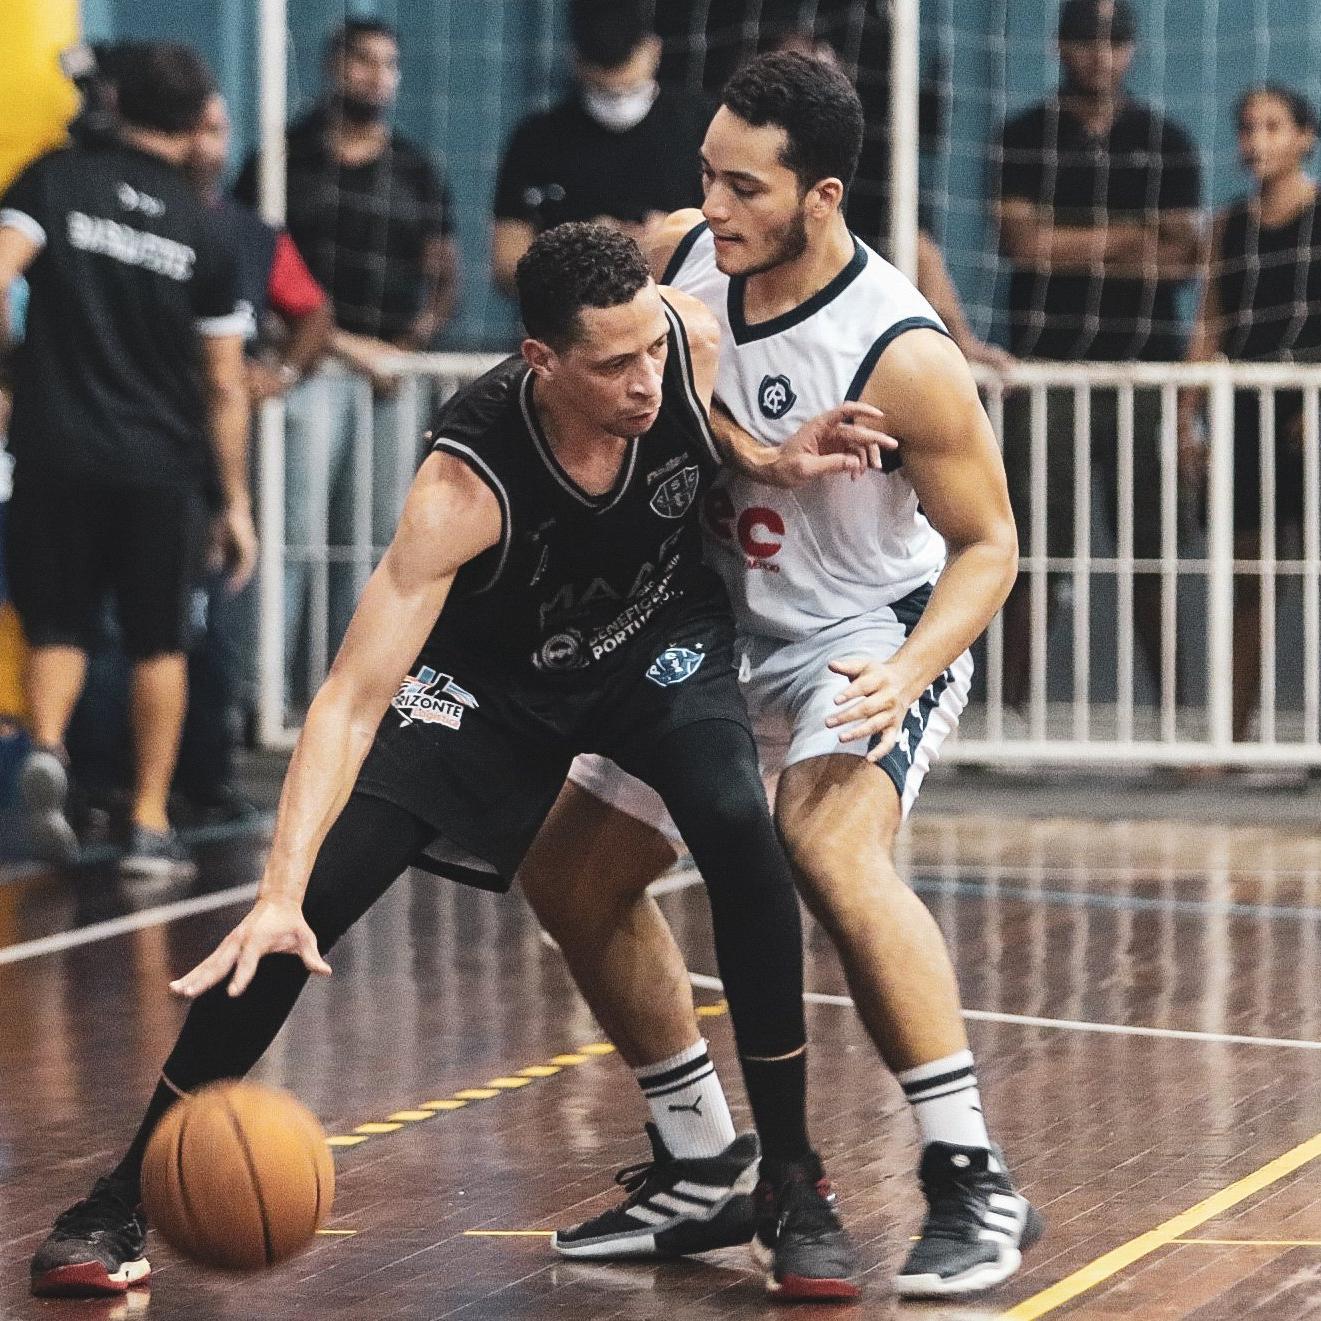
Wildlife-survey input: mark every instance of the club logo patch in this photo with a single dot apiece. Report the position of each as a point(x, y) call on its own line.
point(674, 665)
point(674, 497)
point(428, 698)
point(775, 396)
point(563, 651)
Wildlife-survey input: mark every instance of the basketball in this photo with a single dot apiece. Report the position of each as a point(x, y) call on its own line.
point(238, 1176)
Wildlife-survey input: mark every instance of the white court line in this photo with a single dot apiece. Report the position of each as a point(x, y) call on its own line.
point(705, 983)
point(118, 926)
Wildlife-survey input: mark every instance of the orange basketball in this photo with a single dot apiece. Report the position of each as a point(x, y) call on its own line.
point(238, 1176)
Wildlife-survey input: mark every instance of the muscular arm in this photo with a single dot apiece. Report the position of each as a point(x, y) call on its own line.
point(1168, 250)
point(450, 517)
point(952, 460)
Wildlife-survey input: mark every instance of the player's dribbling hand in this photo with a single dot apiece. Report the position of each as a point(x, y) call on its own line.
point(274, 926)
point(874, 704)
point(843, 439)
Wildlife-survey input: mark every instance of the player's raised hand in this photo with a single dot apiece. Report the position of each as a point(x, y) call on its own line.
point(872, 706)
point(274, 926)
point(846, 439)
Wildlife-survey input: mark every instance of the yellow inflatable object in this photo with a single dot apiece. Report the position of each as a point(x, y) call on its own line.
point(36, 99)
point(37, 102)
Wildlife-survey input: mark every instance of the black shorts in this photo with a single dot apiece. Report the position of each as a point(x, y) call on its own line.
point(68, 544)
point(481, 757)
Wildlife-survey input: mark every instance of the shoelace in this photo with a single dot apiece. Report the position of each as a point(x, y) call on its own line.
point(103, 1210)
point(633, 1179)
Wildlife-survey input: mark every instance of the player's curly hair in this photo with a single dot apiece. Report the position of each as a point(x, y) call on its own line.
point(573, 266)
point(813, 102)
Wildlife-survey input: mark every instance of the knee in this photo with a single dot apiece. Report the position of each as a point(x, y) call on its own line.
point(843, 879)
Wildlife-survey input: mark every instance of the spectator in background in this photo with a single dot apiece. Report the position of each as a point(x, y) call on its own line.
point(1261, 303)
point(621, 150)
point(130, 425)
point(1097, 206)
point(372, 219)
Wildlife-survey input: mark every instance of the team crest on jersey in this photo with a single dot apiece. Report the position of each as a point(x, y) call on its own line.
point(775, 396)
point(674, 497)
point(429, 698)
point(563, 651)
point(674, 665)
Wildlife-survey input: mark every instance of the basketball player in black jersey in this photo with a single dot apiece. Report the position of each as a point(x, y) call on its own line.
point(544, 595)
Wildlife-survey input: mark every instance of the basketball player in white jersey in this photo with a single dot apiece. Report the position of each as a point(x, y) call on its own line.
point(856, 603)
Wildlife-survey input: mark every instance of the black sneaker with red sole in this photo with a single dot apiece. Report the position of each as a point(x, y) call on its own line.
point(96, 1247)
point(806, 1253)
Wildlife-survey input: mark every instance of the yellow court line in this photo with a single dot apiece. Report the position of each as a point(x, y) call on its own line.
point(1098, 1271)
point(1256, 1242)
point(507, 1233)
point(337, 1233)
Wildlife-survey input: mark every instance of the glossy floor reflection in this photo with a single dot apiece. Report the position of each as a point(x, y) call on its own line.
point(1143, 955)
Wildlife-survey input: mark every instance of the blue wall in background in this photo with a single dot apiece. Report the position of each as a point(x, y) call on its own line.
point(473, 67)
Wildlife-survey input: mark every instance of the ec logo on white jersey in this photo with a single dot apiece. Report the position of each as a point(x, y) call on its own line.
point(775, 396)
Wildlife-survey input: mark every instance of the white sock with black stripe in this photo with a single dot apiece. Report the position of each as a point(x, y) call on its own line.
point(946, 1102)
point(687, 1103)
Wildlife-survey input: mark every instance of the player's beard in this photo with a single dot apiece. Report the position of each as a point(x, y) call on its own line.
point(359, 111)
point(786, 244)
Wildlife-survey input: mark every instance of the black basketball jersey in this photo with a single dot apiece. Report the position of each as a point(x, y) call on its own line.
point(575, 576)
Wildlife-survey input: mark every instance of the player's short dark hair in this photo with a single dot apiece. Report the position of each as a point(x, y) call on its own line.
point(813, 102)
point(571, 267)
point(1301, 110)
point(351, 29)
point(161, 85)
point(607, 32)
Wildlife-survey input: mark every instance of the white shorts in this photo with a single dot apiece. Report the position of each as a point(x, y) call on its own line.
point(790, 691)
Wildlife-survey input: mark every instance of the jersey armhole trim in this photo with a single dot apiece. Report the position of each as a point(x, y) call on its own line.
point(11, 218)
point(700, 415)
point(680, 254)
point(883, 342)
point(238, 322)
point(456, 449)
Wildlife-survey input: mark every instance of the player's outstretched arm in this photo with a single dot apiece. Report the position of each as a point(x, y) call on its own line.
point(450, 517)
point(951, 458)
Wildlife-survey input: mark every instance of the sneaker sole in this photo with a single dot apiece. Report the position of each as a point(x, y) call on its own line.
point(986, 1275)
point(52, 838)
point(90, 1279)
point(681, 1240)
point(792, 1288)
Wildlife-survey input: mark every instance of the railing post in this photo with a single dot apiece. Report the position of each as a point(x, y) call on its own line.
point(1220, 565)
point(270, 575)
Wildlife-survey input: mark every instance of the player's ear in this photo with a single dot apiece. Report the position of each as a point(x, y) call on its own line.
point(825, 196)
point(539, 356)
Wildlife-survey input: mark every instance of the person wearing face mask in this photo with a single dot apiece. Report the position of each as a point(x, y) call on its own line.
point(373, 220)
point(1261, 302)
point(620, 150)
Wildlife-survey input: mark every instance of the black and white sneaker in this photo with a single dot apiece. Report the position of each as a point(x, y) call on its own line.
point(156, 853)
point(977, 1227)
point(96, 1247)
point(800, 1243)
point(674, 1207)
point(43, 789)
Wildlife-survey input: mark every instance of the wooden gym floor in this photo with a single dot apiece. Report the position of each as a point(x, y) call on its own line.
point(1143, 1007)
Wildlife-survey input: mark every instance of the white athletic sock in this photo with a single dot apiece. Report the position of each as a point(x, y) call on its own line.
point(687, 1103)
point(946, 1102)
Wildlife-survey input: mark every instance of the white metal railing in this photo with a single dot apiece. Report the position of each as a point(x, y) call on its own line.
point(1085, 695)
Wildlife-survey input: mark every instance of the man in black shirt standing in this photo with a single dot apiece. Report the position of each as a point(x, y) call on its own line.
point(129, 429)
point(373, 220)
point(622, 150)
point(1097, 205)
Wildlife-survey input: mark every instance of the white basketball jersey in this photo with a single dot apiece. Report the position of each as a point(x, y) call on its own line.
point(797, 561)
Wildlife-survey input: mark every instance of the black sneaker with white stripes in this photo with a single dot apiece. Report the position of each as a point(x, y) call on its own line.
point(674, 1206)
point(977, 1227)
point(800, 1243)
